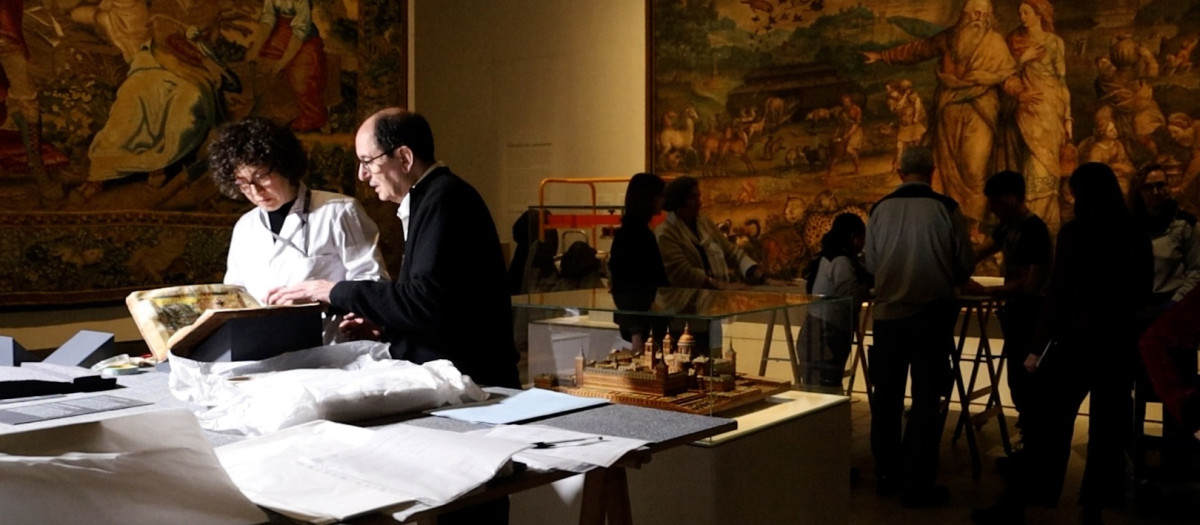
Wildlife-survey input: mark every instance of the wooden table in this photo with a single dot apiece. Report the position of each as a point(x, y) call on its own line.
point(606, 497)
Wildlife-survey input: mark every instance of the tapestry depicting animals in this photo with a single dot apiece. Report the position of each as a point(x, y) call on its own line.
point(793, 111)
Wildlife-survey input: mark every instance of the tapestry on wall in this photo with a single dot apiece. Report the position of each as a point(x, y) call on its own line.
point(792, 112)
point(108, 108)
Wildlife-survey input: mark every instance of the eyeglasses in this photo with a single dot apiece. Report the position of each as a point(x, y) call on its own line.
point(1154, 186)
point(367, 163)
point(258, 180)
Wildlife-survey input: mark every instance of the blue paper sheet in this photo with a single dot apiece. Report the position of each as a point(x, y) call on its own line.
point(530, 404)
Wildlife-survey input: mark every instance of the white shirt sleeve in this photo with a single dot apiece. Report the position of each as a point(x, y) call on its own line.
point(360, 245)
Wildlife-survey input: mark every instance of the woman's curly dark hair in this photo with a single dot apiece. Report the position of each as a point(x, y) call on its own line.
point(255, 141)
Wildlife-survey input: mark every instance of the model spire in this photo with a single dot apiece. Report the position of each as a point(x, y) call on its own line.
point(687, 342)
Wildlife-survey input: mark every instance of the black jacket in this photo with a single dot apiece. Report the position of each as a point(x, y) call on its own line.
point(450, 300)
point(634, 260)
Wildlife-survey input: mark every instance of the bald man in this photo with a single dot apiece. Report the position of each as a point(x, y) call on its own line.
point(450, 300)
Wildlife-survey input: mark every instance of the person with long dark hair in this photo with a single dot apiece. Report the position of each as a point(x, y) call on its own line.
point(1086, 343)
point(634, 259)
point(837, 272)
point(635, 266)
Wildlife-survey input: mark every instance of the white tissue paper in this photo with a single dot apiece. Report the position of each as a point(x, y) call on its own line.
point(149, 468)
point(342, 382)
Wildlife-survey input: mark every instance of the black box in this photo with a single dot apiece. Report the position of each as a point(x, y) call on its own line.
point(258, 338)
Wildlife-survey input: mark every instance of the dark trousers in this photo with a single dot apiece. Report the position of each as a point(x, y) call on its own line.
point(1018, 320)
point(923, 345)
point(1067, 374)
point(826, 349)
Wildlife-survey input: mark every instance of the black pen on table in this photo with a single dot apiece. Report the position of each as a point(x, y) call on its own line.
point(552, 444)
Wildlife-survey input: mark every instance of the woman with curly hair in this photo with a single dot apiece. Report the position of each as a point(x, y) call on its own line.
point(293, 233)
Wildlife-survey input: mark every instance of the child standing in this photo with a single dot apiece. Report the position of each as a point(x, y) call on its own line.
point(837, 271)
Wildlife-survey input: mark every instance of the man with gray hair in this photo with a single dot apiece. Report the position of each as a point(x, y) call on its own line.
point(974, 61)
point(919, 251)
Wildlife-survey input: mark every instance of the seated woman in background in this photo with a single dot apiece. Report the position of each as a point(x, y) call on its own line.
point(294, 233)
point(695, 254)
point(829, 328)
point(635, 266)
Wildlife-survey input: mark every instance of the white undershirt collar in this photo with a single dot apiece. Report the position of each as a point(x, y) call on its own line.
point(403, 211)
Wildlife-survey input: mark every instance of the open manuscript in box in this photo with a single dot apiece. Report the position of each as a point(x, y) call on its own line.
point(181, 317)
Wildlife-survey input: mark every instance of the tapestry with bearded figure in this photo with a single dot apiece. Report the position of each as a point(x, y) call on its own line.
point(792, 112)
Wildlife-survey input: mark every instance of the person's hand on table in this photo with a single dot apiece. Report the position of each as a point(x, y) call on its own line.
point(357, 328)
point(755, 275)
point(717, 284)
point(972, 287)
point(721, 285)
point(316, 291)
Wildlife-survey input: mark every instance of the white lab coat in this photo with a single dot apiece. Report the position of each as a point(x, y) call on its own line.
point(335, 240)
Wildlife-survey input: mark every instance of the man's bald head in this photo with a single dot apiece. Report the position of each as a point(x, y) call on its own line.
point(395, 127)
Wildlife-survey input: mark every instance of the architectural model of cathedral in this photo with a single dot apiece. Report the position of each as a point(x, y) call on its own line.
point(664, 370)
point(665, 376)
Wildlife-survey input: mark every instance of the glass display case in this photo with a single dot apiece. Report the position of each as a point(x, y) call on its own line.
point(692, 350)
point(565, 247)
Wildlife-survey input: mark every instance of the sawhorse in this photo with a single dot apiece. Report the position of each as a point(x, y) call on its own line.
point(800, 367)
point(980, 308)
point(793, 358)
point(859, 359)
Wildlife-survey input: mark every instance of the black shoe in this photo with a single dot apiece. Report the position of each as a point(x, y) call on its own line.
point(930, 496)
point(887, 485)
point(1004, 466)
point(1007, 465)
point(1002, 513)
